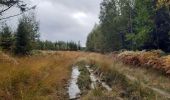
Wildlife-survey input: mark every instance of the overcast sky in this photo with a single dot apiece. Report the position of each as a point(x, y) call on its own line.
point(65, 19)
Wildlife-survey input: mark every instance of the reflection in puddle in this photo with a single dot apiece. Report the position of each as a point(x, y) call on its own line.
point(73, 89)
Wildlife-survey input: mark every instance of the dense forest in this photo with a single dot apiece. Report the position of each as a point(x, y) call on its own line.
point(131, 25)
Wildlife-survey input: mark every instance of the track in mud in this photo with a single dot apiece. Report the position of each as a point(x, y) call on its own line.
point(96, 80)
point(73, 89)
point(75, 93)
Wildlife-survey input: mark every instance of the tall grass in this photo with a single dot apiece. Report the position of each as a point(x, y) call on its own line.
point(39, 77)
point(44, 76)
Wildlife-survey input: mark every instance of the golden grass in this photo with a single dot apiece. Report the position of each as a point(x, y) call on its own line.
point(44, 76)
point(39, 77)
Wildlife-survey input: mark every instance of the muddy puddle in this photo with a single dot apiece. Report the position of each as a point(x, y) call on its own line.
point(73, 89)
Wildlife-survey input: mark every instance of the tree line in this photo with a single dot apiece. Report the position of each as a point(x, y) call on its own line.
point(131, 25)
point(26, 38)
point(59, 45)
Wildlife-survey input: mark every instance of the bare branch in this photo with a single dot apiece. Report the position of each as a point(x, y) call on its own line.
point(18, 14)
point(6, 9)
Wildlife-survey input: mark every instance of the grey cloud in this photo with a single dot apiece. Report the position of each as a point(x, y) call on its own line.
point(66, 19)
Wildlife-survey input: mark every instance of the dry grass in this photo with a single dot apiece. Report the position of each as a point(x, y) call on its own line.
point(44, 76)
point(127, 80)
point(40, 77)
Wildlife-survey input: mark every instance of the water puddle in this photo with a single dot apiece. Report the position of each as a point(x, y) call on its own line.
point(96, 80)
point(73, 89)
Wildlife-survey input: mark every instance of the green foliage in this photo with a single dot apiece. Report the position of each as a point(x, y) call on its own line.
point(115, 22)
point(95, 40)
point(6, 38)
point(131, 24)
point(143, 23)
point(26, 36)
point(108, 17)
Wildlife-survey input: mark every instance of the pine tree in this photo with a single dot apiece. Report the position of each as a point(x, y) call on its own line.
point(26, 36)
point(6, 40)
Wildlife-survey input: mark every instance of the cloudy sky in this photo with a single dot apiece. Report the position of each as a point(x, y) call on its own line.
point(65, 19)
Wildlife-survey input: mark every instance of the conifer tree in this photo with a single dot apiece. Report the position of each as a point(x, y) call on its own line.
point(6, 38)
